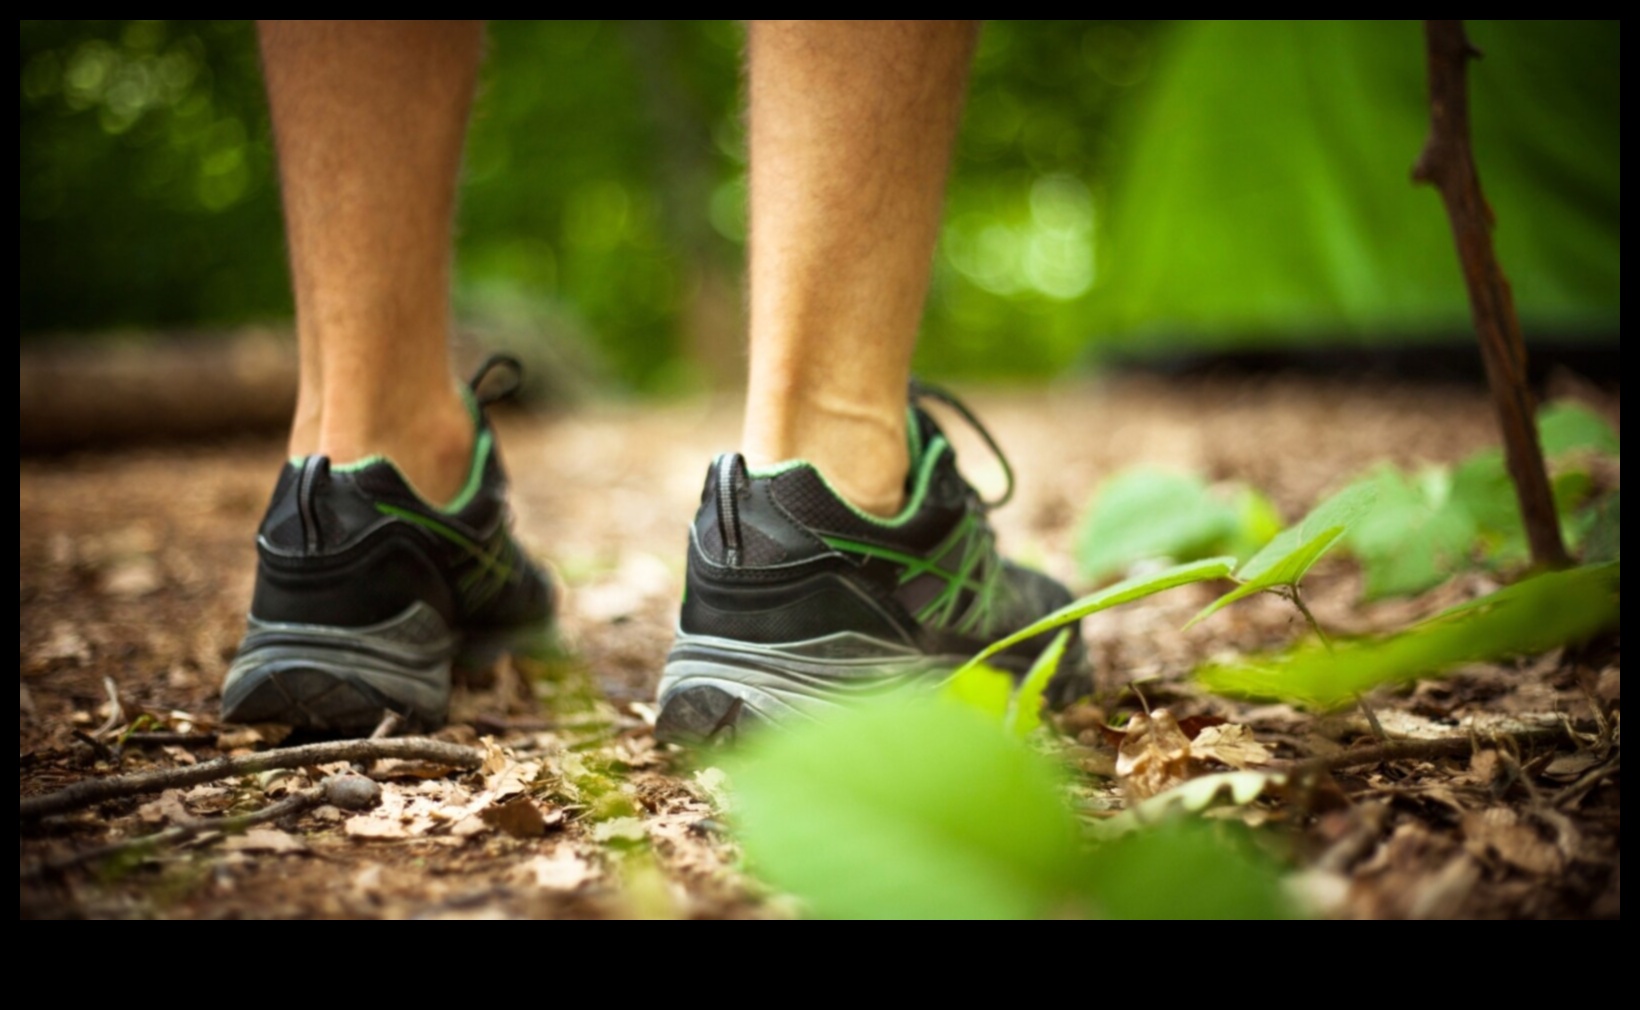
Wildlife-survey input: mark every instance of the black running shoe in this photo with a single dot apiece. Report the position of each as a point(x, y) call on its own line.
point(796, 603)
point(366, 594)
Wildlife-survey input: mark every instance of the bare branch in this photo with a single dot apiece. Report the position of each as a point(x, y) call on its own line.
point(1447, 162)
point(84, 794)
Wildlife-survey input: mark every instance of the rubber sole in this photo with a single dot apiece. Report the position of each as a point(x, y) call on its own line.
point(714, 689)
point(333, 679)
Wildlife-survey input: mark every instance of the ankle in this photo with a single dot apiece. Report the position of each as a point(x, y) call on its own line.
point(863, 455)
point(432, 446)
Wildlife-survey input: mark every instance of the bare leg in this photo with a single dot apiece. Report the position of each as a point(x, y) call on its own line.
point(370, 118)
point(851, 132)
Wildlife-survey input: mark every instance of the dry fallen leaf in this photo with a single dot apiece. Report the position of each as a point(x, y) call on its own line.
point(166, 809)
point(1569, 767)
point(264, 840)
point(132, 578)
point(1501, 831)
point(1230, 744)
point(563, 869)
point(65, 645)
point(1154, 755)
point(517, 816)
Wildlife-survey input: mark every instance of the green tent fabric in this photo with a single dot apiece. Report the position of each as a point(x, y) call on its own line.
point(1265, 195)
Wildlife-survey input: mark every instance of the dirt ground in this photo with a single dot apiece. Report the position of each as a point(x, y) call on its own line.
point(135, 570)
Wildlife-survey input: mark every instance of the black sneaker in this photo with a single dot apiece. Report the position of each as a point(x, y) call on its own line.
point(366, 594)
point(796, 603)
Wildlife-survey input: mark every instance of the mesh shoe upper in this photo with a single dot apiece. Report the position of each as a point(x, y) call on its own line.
point(798, 604)
point(352, 546)
point(366, 594)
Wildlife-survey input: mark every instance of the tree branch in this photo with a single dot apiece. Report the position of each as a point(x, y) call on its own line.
point(1447, 162)
point(1424, 750)
point(84, 794)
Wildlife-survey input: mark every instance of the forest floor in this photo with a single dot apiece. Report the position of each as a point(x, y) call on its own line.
point(135, 570)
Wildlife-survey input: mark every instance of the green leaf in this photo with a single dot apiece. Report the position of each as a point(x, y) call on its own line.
point(1335, 513)
point(1148, 512)
point(1257, 523)
point(1126, 591)
point(1531, 616)
point(1481, 486)
point(1602, 529)
point(1186, 870)
point(1414, 537)
point(981, 687)
point(1286, 572)
point(1565, 427)
point(908, 811)
point(1025, 710)
point(1285, 559)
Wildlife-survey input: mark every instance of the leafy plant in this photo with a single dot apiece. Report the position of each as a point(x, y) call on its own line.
point(1150, 512)
point(1126, 591)
point(1425, 528)
point(927, 809)
point(1533, 615)
point(1293, 551)
point(984, 688)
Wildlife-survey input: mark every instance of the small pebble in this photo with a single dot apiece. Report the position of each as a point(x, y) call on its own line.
point(352, 792)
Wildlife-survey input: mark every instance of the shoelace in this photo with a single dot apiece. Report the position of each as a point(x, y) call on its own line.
point(921, 390)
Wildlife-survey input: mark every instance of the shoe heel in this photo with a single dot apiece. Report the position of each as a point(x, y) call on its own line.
point(716, 686)
point(329, 678)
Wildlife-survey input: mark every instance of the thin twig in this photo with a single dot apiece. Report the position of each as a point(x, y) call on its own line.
point(116, 711)
point(1574, 793)
point(84, 794)
point(390, 724)
point(1422, 750)
point(167, 739)
point(295, 803)
point(1297, 599)
point(1372, 718)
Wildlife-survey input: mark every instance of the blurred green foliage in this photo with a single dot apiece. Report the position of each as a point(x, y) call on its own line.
point(1266, 194)
point(925, 808)
point(146, 191)
point(1115, 181)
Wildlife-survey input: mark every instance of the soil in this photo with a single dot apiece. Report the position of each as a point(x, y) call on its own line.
point(134, 575)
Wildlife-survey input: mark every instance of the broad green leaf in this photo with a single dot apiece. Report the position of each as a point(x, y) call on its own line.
point(1602, 529)
point(1126, 591)
point(1025, 710)
point(1481, 486)
point(1148, 512)
point(1186, 869)
point(1414, 537)
point(1566, 427)
point(909, 810)
point(1257, 523)
point(1286, 572)
point(1285, 559)
point(1531, 616)
point(981, 687)
point(1335, 513)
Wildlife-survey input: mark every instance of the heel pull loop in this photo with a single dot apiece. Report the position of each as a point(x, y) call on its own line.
point(512, 383)
point(313, 468)
point(731, 468)
point(922, 390)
